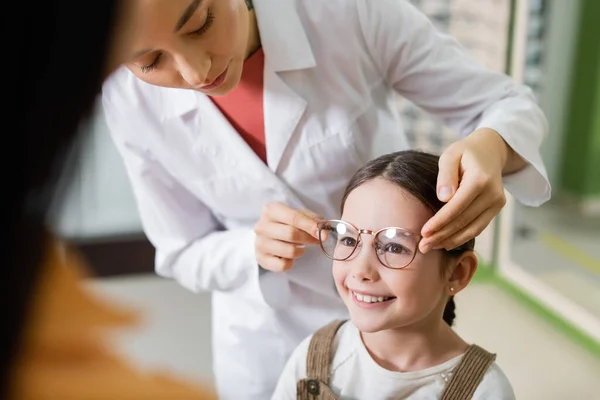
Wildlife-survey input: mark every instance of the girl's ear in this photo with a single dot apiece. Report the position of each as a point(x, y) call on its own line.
point(463, 269)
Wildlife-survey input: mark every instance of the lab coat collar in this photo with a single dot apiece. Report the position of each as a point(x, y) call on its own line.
point(176, 102)
point(282, 35)
point(284, 42)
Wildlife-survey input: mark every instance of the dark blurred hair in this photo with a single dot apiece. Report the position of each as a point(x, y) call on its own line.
point(54, 58)
point(417, 173)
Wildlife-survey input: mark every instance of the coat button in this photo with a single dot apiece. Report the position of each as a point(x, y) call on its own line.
point(313, 387)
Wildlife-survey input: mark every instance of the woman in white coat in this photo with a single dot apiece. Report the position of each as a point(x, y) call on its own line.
point(240, 124)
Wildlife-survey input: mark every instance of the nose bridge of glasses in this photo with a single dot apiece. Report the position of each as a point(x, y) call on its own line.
point(373, 251)
point(366, 231)
point(375, 243)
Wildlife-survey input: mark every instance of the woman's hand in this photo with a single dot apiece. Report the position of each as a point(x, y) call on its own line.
point(470, 181)
point(282, 234)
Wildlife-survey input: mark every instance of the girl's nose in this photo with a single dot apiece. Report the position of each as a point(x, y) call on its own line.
point(365, 265)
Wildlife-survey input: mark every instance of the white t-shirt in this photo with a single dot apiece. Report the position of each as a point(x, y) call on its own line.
point(355, 375)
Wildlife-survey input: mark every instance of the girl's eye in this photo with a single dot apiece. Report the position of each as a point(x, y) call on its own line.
point(348, 241)
point(396, 248)
point(150, 67)
point(207, 24)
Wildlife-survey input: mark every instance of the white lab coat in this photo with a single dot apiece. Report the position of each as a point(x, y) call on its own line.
point(331, 69)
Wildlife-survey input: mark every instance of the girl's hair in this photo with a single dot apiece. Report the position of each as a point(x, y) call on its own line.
point(417, 173)
point(58, 62)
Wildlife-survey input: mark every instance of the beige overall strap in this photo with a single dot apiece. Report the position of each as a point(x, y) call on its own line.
point(318, 363)
point(468, 374)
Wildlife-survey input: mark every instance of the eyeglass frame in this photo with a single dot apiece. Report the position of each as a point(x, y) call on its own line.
point(372, 233)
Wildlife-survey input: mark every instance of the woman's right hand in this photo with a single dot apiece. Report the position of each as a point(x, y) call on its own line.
point(282, 234)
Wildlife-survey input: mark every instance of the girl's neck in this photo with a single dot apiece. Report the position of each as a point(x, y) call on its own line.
point(253, 35)
point(415, 347)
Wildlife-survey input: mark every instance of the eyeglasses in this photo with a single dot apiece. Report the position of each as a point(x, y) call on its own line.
point(395, 247)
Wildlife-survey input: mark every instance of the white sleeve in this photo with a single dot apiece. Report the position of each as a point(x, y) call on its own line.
point(494, 386)
point(433, 70)
point(191, 246)
point(295, 369)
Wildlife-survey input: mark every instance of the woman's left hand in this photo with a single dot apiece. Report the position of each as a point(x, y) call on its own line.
point(470, 182)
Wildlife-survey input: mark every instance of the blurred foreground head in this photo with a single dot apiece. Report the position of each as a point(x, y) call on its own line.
point(57, 54)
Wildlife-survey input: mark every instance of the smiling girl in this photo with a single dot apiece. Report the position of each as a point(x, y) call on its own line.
point(399, 343)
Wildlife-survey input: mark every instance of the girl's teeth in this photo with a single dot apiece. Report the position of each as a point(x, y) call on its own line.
point(369, 299)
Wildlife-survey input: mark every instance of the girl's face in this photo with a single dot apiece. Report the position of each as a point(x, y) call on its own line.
point(417, 293)
point(190, 44)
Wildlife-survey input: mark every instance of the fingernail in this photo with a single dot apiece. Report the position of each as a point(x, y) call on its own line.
point(316, 234)
point(425, 248)
point(300, 246)
point(444, 193)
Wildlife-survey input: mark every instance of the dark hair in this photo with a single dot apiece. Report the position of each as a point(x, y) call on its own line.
point(416, 172)
point(57, 63)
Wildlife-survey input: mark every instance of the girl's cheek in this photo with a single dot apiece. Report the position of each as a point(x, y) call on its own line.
point(337, 273)
point(339, 276)
point(402, 283)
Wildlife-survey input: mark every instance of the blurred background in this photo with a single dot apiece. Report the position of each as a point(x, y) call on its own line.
point(536, 298)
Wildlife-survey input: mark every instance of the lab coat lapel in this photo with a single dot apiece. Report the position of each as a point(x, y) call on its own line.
point(286, 49)
point(283, 109)
point(219, 140)
point(214, 139)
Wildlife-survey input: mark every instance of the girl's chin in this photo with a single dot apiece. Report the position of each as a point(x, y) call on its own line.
point(369, 324)
point(376, 323)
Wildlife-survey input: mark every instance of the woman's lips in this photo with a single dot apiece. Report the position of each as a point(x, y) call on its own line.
point(217, 82)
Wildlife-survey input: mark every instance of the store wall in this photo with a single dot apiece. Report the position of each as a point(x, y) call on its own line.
point(580, 172)
point(99, 201)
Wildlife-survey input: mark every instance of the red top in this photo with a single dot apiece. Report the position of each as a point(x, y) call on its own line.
point(243, 106)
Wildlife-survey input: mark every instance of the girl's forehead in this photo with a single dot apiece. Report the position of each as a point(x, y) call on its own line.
point(378, 204)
